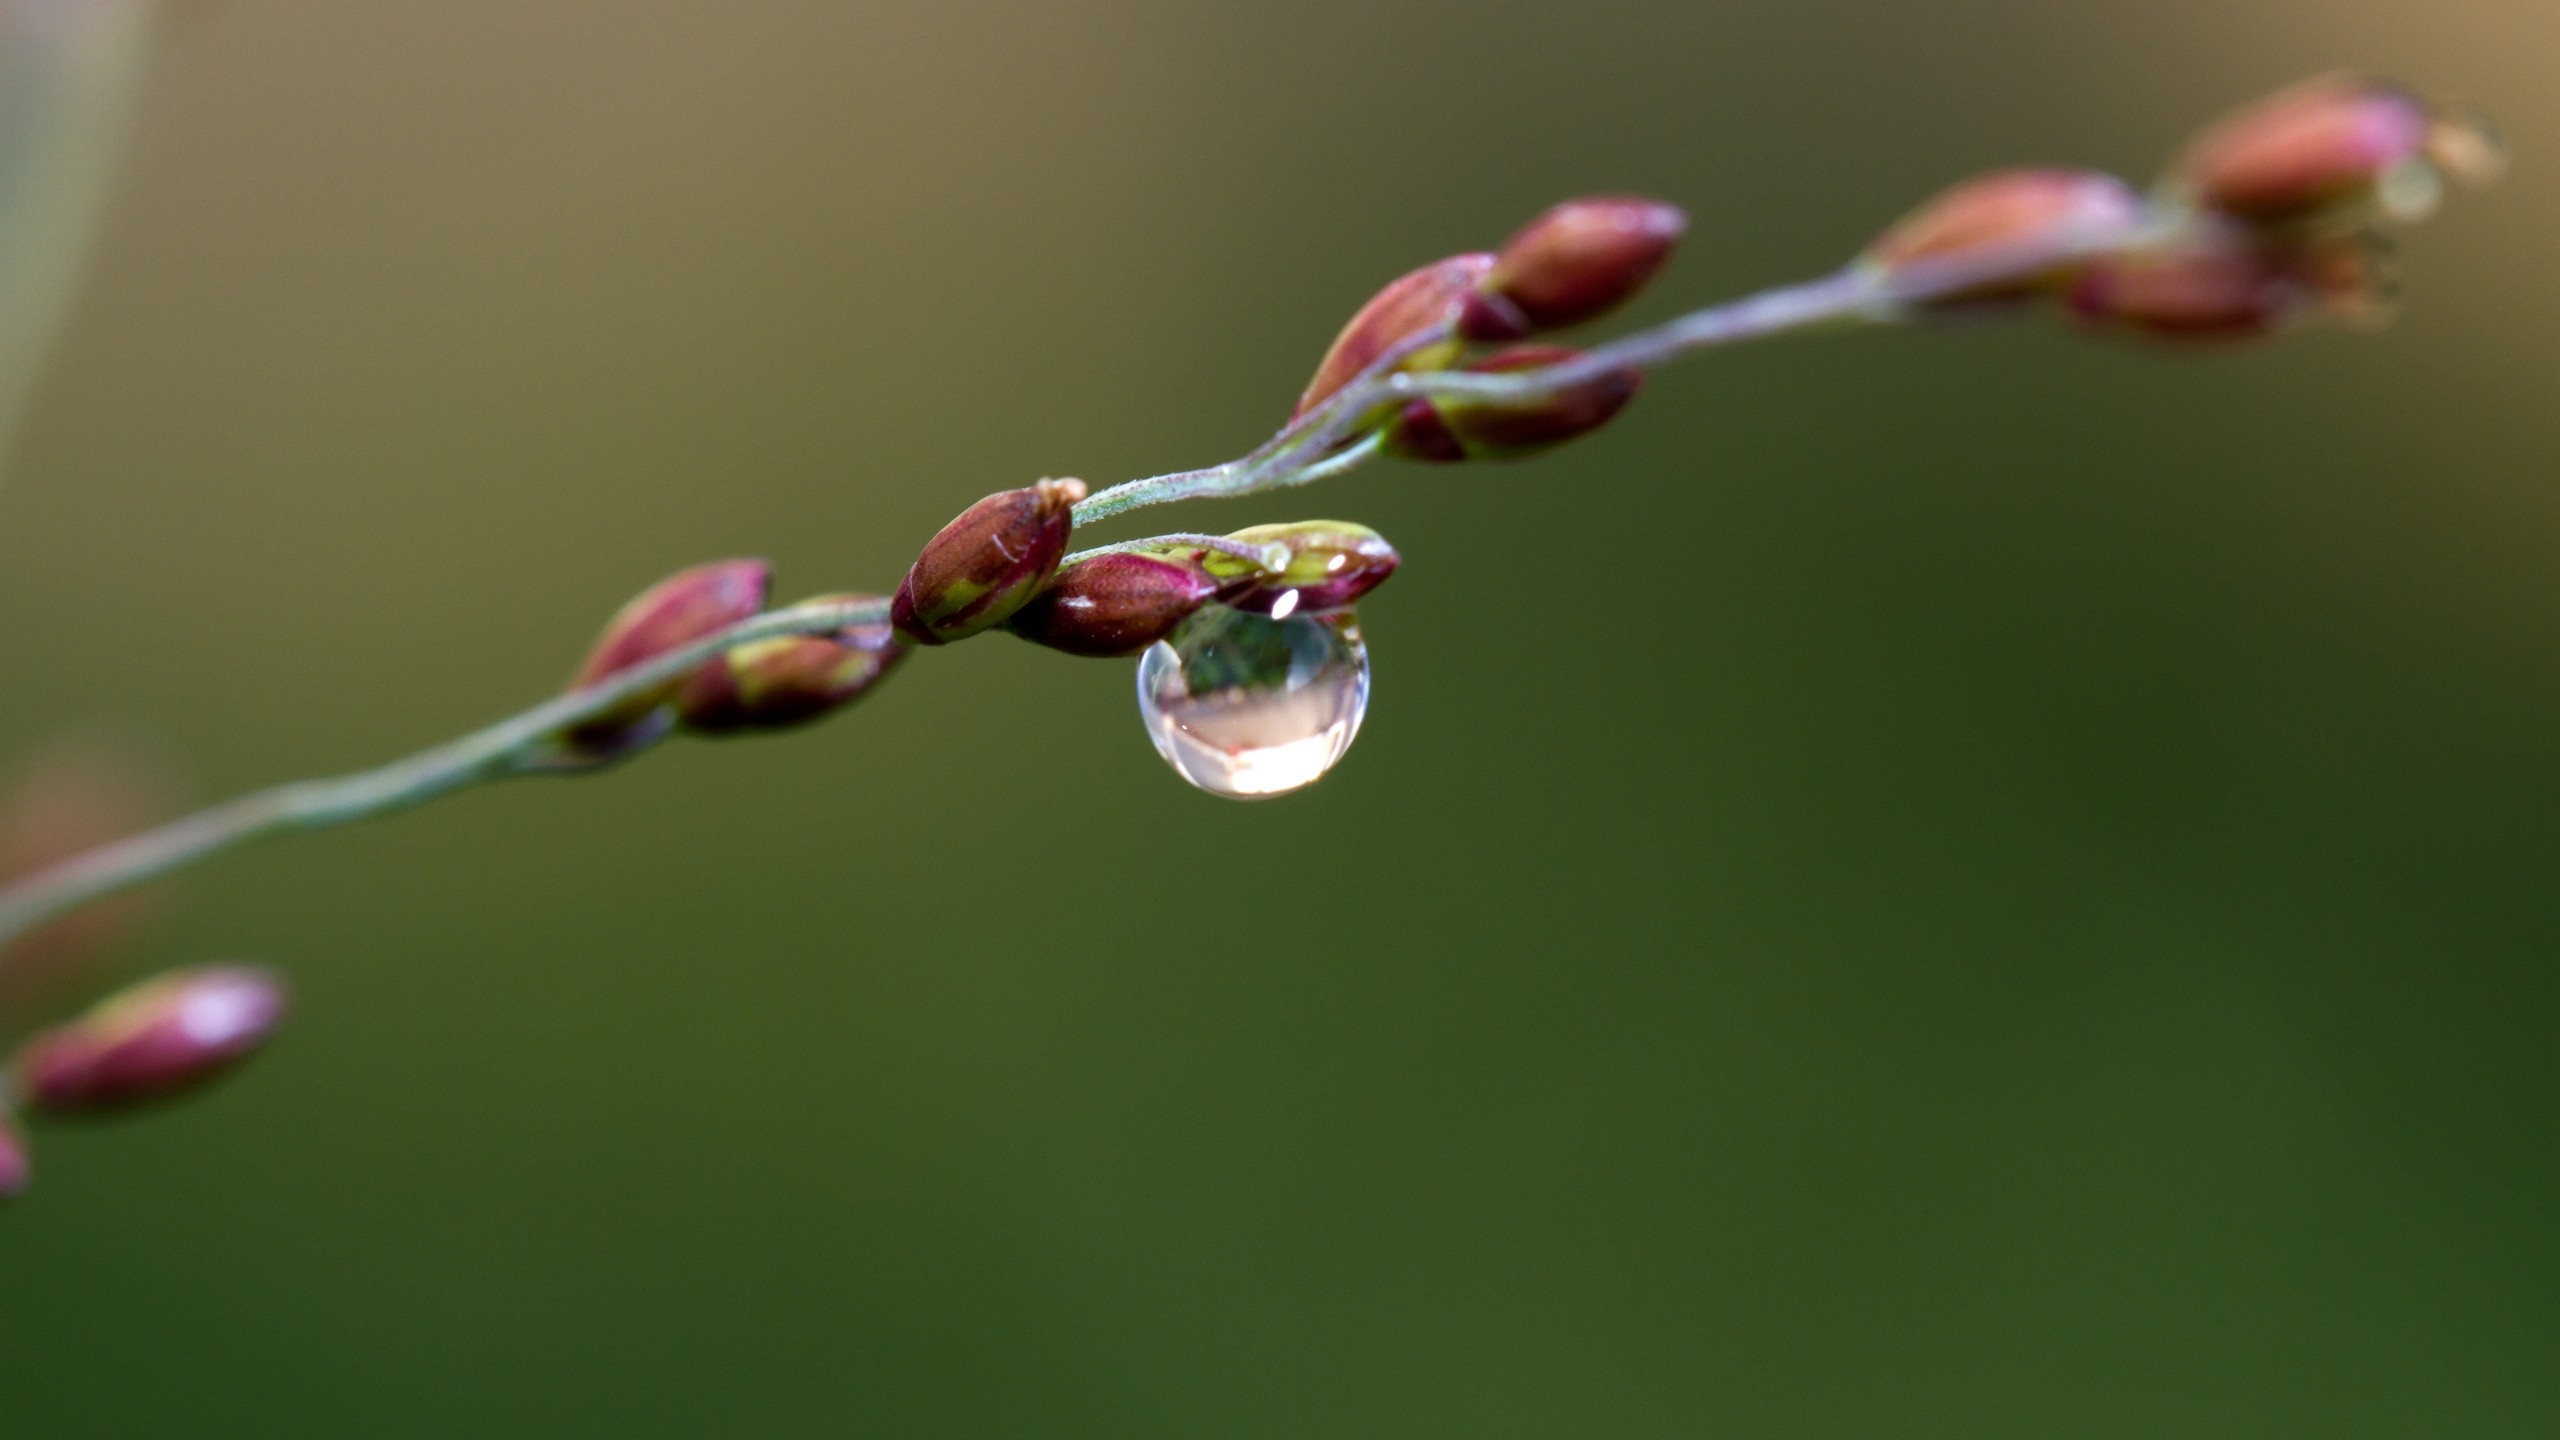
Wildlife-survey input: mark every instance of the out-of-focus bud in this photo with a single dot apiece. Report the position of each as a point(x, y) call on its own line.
point(2332, 149)
point(985, 564)
point(1116, 604)
point(1425, 299)
point(72, 796)
point(790, 679)
point(164, 1036)
point(2215, 287)
point(1462, 427)
point(1576, 262)
point(2010, 211)
point(16, 1169)
point(678, 610)
point(1332, 563)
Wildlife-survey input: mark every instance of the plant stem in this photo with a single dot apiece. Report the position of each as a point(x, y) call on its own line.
point(1269, 557)
point(503, 749)
point(1311, 447)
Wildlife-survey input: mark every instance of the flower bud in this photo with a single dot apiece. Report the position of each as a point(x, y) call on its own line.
point(2011, 210)
point(2330, 149)
point(789, 679)
point(166, 1035)
point(1115, 604)
point(1332, 563)
point(2212, 287)
point(1464, 427)
point(676, 611)
point(1576, 262)
point(1426, 298)
point(15, 1168)
point(985, 564)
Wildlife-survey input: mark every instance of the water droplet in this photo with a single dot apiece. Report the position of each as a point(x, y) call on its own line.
point(1250, 706)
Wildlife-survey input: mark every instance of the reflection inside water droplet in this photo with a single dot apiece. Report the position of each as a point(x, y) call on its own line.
point(1249, 706)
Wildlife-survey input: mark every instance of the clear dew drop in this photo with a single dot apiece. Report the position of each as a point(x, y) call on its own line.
point(1248, 706)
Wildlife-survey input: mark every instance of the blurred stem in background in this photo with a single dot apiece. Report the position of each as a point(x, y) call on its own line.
point(70, 82)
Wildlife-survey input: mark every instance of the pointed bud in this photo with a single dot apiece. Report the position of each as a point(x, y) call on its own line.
point(1422, 300)
point(1462, 427)
point(1331, 564)
point(2213, 286)
point(1576, 262)
point(985, 564)
point(1116, 604)
point(2332, 149)
point(676, 611)
point(164, 1036)
point(790, 679)
point(2011, 211)
point(15, 1167)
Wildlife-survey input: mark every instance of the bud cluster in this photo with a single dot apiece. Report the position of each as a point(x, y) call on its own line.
point(1121, 602)
point(1576, 262)
point(2264, 219)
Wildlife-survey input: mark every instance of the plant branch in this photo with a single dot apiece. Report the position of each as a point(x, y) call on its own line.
point(1315, 444)
point(511, 747)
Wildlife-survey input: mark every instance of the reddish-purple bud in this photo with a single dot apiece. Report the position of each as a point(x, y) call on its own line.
point(1576, 262)
point(676, 611)
point(1331, 564)
point(2331, 148)
point(162, 1037)
point(1449, 428)
point(1115, 604)
point(1425, 300)
point(790, 679)
point(2024, 213)
point(987, 563)
point(2218, 286)
point(16, 1169)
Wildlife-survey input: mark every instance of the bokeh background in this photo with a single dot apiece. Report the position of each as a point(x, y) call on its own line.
point(1975, 885)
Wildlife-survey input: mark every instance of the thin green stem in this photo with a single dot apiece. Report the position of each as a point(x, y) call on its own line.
point(1314, 445)
point(504, 749)
point(1273, 557)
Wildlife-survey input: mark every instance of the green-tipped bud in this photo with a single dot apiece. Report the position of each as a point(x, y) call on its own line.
point(2012, 211)
point(1448, 428)
point(676, 611)
point(160, 1038)
point(1576, 262)
point(1331, 564)
point(1427, 299)
point(987, 563)
point(790, 679)
point(2332, 150)
point(1115, 604)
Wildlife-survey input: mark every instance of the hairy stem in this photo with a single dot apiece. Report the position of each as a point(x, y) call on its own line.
point(1314, 445)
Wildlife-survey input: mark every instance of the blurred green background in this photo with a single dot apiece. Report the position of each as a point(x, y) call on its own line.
point(1967, 885)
